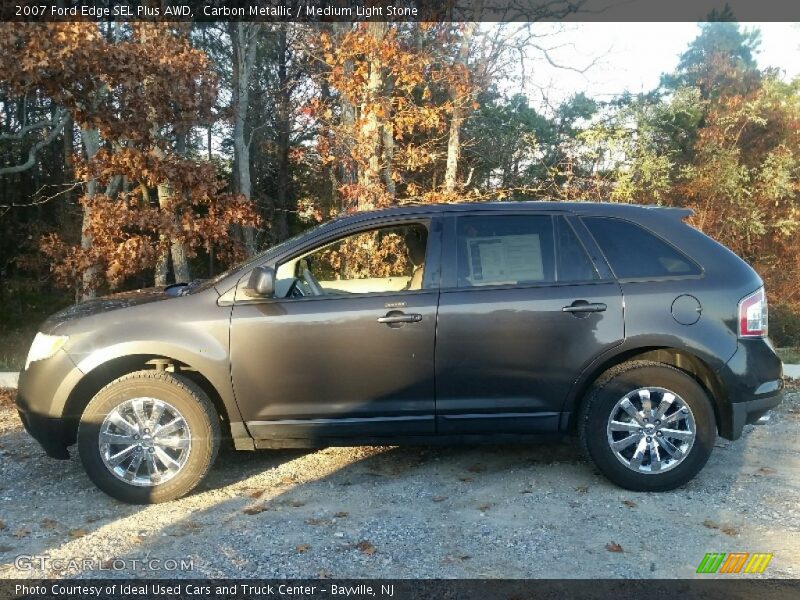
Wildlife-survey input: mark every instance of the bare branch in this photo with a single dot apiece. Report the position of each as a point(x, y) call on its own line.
point(26, 129)
point(68, 187)
point(34, 150)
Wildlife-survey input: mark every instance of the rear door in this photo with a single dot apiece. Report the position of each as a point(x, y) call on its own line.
point(522, 310)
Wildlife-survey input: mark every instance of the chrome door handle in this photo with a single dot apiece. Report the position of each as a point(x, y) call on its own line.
point(584, 307)
point(391, 319)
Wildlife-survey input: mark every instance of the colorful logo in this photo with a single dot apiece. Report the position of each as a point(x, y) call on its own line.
point(735, 562)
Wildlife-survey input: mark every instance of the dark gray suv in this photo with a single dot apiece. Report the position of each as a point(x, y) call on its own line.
point(413, 325)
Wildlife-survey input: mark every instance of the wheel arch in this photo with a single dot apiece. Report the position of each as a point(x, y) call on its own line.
point(682, 359)
point(104, 373)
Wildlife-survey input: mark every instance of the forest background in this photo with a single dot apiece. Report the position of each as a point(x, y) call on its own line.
point(141, 154)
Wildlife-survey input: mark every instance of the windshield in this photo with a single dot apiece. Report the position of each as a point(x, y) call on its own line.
point(253, 261)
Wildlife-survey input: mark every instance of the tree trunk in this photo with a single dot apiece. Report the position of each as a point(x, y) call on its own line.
point(180, 262)
point(280, 224)
point(244, 38)
point(457, 118)
point(88, 286)
point(387, 142)
point(370, 136)
point(172, 246)
point(348, 169)
point(330, 180)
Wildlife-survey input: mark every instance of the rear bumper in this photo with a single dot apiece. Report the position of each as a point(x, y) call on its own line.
point(744, 413)
point(753, 382)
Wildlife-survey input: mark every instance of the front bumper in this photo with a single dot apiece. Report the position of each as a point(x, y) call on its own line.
point(753, 382)
point(42, 394)
point(51, 433)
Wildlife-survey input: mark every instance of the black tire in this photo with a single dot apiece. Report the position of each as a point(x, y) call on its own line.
point(181, 393)
point(611, 387)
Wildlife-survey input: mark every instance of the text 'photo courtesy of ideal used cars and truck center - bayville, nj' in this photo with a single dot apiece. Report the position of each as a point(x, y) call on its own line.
point(475, 299)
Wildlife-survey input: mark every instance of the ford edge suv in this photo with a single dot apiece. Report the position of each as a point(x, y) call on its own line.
point(413, 325)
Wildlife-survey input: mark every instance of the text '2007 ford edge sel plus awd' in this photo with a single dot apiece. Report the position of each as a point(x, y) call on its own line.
point(420, 324)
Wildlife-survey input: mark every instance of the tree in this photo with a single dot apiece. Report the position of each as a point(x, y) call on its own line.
point(244, 42)
point(383, 121)
point(135, 94)
point(721, 55)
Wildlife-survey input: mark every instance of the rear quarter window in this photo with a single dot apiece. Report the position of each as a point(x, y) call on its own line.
point(634, 252)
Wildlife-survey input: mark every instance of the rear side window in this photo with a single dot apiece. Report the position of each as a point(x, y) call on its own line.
point(634, 252)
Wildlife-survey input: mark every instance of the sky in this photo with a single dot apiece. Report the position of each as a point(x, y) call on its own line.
point(632, 56)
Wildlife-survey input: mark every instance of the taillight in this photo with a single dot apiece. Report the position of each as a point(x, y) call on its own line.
point(753, 315)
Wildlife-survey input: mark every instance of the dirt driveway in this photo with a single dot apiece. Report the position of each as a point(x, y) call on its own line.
point(492, 511)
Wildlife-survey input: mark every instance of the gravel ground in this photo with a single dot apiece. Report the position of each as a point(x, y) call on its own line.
point(486, 511)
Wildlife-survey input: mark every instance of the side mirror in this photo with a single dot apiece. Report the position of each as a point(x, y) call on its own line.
point(262, 281)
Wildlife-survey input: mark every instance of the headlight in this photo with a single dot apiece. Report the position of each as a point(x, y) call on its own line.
point(44, 346)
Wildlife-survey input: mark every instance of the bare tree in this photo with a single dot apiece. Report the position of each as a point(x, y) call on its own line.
point(244, 42)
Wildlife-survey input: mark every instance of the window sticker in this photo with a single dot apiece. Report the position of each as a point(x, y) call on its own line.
point(507, 259)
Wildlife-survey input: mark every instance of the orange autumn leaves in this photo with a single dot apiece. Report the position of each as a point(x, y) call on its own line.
point(142, 88)
point(394, 100)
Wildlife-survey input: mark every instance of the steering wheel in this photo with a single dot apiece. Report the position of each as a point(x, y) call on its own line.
point(312, 282)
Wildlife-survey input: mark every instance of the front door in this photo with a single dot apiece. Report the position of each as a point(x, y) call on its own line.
point(522, 311)
point(346, 348)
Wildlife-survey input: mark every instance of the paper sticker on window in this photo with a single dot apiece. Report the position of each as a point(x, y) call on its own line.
point(507, 259)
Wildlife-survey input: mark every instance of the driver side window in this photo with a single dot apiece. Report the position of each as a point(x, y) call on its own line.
point(386, 259)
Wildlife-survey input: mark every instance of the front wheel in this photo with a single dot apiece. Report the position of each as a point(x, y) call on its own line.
point(647, 426)
point(148, 437)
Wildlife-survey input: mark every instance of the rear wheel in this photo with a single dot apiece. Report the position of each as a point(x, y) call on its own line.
point(148, 437)
point(647, 426)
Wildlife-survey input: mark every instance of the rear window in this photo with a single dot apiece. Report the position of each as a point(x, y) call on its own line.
point(635, 252)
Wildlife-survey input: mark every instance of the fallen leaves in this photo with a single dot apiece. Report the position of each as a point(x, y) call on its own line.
point(191, 526)
point(629, 503)
point(614, 547)
point(439, 498)
point(301, 548)
point(48, 524)
point(2, 524)
point(74, 534)
point(726, 529)
point(7, 396)
point(765, 471)
point(366, 547)
point(582, 489)
point(254, 510)
point(451, 558)
point(21, 533)
point(341, 514)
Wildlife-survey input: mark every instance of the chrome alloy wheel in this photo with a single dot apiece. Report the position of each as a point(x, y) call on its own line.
point(651, 430)
point(145, 441)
